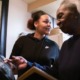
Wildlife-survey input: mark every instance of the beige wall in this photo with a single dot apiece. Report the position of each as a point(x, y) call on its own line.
point(50, 7)
point(17, 22)
point(38, 3)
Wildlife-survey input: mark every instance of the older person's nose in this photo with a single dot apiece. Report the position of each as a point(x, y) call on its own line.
point(58, 22)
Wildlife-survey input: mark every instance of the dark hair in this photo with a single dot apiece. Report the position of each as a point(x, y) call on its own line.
point(34, 17)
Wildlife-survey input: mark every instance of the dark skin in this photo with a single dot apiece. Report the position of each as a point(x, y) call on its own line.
point(67, 20)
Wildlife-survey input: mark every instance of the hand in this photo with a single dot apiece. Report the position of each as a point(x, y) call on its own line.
point(9, 61)
point(13, 67)
point(19, 61)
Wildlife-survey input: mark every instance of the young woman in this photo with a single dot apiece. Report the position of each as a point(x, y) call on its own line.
point(36, 47)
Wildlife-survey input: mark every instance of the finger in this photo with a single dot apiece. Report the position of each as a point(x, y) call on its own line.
point(15, 57)
point(7, 60)
point(18, 58)
point(22, 66)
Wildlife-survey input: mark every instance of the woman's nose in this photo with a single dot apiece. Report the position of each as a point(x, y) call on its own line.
point(49, 24)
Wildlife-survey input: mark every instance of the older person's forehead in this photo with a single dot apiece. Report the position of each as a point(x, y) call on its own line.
point(62, 8)
point(76, 2)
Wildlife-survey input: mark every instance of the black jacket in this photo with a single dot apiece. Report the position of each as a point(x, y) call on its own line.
point(43, 52)
point(69, 61)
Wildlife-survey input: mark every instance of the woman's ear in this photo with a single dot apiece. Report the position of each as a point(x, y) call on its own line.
point(36, 24)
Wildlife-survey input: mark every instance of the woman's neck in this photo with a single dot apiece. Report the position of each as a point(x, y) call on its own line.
point(38, 35)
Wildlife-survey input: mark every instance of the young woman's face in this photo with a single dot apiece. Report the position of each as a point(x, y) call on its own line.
point(43, 25)
point(66, 20)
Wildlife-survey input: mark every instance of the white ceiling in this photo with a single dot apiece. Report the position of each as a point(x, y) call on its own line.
point(50, 8)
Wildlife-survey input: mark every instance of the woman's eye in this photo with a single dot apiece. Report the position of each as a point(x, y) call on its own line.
point(46, 22)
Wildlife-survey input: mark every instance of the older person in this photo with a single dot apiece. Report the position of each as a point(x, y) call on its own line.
point(68, 19)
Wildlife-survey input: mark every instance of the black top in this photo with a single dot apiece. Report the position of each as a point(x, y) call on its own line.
point(42, 52)
point(69, 62)
point(67, 67)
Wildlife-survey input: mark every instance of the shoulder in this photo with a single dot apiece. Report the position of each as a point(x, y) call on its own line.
point(66, 44)
point(67, 41)
point(52, 43)
point(22, 38)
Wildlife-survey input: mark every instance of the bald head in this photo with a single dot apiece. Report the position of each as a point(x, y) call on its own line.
point(68, 16)
point(75, 2)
